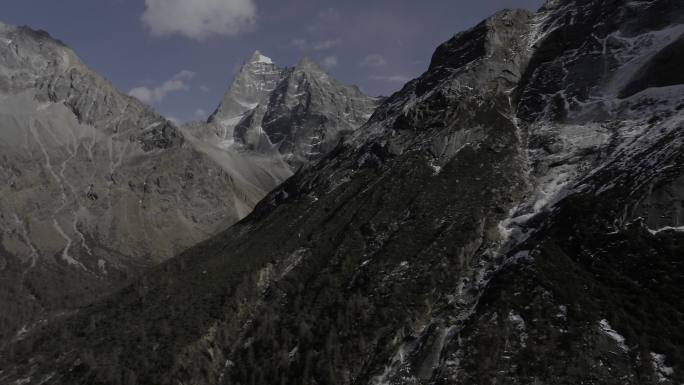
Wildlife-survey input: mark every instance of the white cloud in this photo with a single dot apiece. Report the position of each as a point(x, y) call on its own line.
point(200, 114)
point(198, 19)
point(326, 44)
point(392, 78)
point(204, 88)
point(330, 61)
point(373, 60)
point(298, 43)
point(155, 95)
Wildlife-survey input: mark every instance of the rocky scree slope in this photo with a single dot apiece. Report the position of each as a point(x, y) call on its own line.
point(299, 113)
point(513, 216)
point(95, 186)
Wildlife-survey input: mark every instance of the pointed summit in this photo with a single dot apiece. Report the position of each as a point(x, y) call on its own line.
point(257, 57)
point(252, 85)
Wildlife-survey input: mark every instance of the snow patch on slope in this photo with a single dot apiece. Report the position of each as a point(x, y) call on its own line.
point(679, 229)
point(259, 58)
point(663, 372)
point(614, 335)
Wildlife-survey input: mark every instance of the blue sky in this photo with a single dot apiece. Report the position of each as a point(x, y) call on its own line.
point(181, 54)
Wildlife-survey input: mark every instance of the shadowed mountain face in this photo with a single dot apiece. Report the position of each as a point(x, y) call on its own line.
point(512, 216)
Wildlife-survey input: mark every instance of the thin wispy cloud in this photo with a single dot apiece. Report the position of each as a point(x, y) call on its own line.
point(326, 44)
point(373, 60)
point(329, 14)
point(330, 61)
point(200, 114)
point(327, 19)
point(298, 43)
point(156, 94)
point(199, 19)
point(392, 78)
point(305, 45)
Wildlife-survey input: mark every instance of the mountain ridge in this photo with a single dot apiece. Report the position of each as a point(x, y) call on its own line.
point(299, 112)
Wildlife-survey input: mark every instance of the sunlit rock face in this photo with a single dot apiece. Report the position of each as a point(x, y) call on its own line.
point(95, 186)
point(298, 112)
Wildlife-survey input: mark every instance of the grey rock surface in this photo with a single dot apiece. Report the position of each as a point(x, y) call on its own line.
point(298, 112)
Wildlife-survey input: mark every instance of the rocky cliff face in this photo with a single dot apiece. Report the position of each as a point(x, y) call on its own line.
point(300, 112)
point(511, 216)
point(252, 85)
point(95, 186)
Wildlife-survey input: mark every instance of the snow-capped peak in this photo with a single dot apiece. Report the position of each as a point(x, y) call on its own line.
point(259, 58)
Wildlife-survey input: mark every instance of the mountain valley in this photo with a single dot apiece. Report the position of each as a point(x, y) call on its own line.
point(511, 216)
point(95, 187)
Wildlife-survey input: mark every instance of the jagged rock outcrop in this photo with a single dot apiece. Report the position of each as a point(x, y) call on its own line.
point(511, 216)
point(252, 85)
point(95, 187)
point(299, 112)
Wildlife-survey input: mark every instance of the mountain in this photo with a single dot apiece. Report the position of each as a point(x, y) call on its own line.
point(298, 112)
point(511, 216)
point(253, 84)
point(95, 186)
